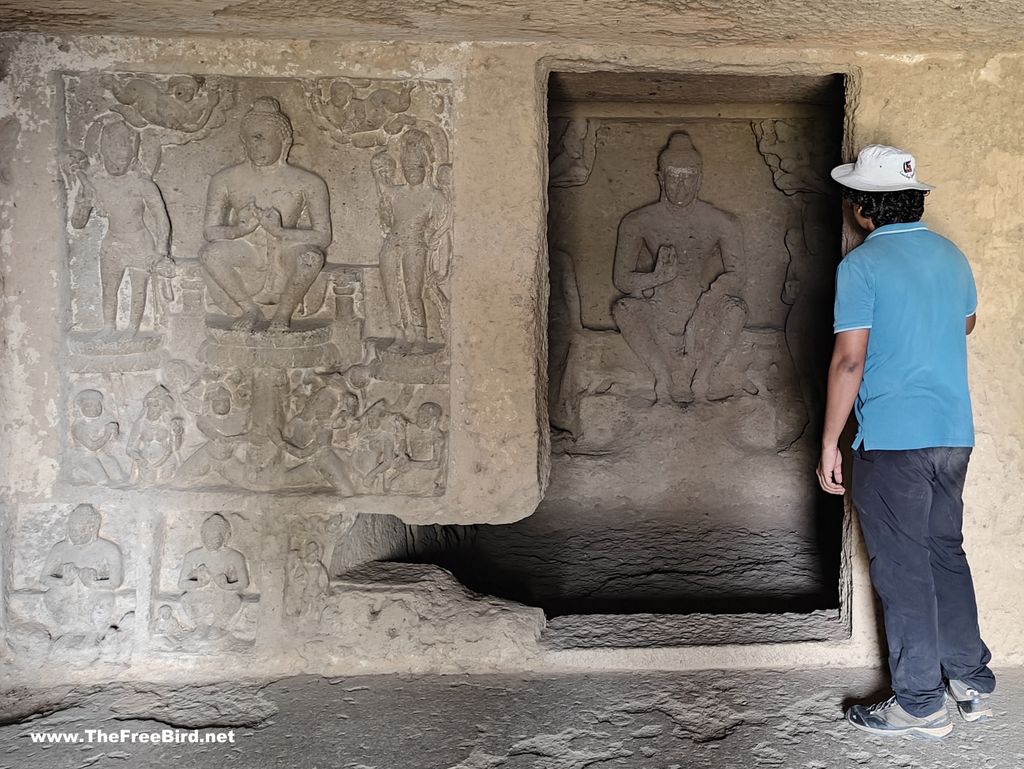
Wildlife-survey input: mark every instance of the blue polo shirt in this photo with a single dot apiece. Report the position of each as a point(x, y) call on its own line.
point(914, 290)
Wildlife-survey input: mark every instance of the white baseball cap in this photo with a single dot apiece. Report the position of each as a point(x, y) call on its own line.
point(880, 169)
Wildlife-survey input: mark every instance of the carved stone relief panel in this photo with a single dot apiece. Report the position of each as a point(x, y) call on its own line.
point(258, 283)
point(572, 148)
point(72, 591)
point(206, 593)
point(321, 551)
point(800, 160)
point(678, 298)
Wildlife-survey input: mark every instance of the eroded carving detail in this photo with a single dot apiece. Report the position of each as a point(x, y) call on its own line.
point(799, 166)
point(93, 435)
point(307, 584)
point(156, 437)
point(10, 128)
point(213, 581)
point(367, 120)
point(224, 420)
point(183, 103)
point(81, 605)
point(573, 146)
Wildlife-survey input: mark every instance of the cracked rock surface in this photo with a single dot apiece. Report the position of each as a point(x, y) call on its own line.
point(725, 720)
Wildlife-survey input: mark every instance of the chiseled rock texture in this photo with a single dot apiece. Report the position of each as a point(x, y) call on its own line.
point(915, 24)
point(419, 616)
point(713, 719)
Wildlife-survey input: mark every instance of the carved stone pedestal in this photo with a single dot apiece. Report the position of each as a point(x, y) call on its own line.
point(96, 352)
point(306, 345)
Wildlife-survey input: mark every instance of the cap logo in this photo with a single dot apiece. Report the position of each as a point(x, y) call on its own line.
point(908, 169)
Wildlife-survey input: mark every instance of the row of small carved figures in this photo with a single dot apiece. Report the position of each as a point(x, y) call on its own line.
point(334, 442)
point(84, 560)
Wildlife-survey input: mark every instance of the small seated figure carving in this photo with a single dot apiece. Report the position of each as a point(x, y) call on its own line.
point(92, 435)
point(224, 427)
point(422, 466)
point(212, 577)
point(165, 624)
point(83, 556)
point(264, 194)
point(324, 421)
point(694, 287)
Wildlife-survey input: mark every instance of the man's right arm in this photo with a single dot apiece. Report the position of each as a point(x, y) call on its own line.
point(844, 378)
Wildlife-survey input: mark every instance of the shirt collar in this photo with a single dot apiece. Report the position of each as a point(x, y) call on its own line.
point(892, 229)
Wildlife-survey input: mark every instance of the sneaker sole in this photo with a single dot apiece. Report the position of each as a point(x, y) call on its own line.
point(928, 732)
point(980, 715)
point(976, 716)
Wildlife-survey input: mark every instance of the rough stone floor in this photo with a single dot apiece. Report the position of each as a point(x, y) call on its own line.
point(744, 720)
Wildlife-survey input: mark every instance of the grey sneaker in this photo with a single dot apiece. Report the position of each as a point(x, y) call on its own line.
point(972, 704)
point(889, 718)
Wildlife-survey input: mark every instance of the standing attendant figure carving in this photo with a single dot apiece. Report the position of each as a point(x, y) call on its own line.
point(137, 240)
point(414, 216)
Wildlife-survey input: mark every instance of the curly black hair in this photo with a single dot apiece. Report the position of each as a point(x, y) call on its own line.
point(882, 208)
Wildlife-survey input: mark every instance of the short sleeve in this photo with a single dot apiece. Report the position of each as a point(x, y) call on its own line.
point(855, 297)
point(972, 294)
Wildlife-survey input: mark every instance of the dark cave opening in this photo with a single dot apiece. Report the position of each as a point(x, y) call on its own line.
point(693, 237)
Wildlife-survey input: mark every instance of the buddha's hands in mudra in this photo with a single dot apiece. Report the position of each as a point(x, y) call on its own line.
point(248, 219)
point(666, 268)
point(270, 220)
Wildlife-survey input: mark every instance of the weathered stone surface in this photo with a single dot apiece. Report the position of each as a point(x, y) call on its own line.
point(193, 706)
point(646, 630)
point(420, 614)
point(255, 293)
point(990, 23)
point(639, 720)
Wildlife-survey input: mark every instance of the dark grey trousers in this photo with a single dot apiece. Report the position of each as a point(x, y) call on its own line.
point(911, 513)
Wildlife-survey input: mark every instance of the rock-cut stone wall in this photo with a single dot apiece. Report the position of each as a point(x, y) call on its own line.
point(265, 303)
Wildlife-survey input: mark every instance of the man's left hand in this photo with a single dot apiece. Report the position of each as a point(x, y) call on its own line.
point(830, 470)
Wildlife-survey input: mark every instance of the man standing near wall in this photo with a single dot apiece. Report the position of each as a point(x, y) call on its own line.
point(905, 302)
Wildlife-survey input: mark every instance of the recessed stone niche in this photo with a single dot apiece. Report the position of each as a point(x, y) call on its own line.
point(693, 238)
